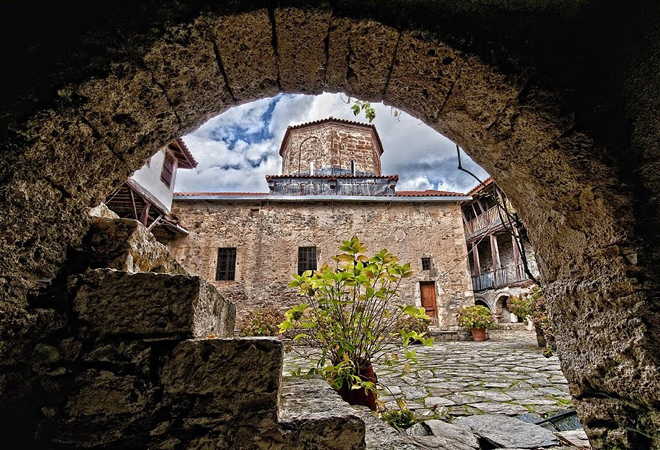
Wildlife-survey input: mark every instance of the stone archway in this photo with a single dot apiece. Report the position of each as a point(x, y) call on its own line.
point(577, 168)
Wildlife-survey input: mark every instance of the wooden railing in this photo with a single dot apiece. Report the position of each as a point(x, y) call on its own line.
point(489, 218)
point(500, 277)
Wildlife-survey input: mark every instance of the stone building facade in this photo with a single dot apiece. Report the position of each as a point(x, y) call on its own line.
point(250, 244)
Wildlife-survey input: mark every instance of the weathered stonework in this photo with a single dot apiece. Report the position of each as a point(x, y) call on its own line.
point(111, 302)
point(267, 236)
point(123, 244)
point(331, 144)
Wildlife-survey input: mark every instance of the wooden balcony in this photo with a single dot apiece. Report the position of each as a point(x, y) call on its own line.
point(500, 277)
point(488, 220)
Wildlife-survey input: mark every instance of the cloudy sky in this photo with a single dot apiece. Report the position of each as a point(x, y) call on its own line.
point(238, 148)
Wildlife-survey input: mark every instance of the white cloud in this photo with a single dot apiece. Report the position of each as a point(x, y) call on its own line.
point(417, 184)
point(238, 148)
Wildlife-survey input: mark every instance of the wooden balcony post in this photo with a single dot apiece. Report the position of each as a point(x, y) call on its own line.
point(475, 259)
point(516, 255)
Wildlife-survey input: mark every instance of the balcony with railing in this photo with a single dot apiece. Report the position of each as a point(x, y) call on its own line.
point(498, 278)
point(489, 219)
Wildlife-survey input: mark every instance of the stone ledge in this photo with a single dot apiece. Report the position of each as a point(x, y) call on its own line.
point(124, 244)
point(313, 415)
point(115, 303)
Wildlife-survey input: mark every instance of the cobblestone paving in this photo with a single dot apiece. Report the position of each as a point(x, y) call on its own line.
point(504, 375)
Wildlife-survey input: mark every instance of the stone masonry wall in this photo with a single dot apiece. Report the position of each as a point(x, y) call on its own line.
point(331, 145)
point(267, 237)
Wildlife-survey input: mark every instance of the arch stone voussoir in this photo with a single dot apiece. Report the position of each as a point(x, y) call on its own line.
point(245, 47)
point(185, 65)
point(423, 75)
point(360, 54)
point(301, 39)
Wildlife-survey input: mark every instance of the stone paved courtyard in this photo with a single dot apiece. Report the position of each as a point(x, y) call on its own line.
point(504, 375)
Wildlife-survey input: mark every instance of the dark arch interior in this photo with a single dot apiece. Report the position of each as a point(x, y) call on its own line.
point(530, 91)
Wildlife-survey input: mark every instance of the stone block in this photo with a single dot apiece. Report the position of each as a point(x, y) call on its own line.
point(503, 431)
point(245, 46)
point(185, 64)
point(149, 305)
point(423, 75)
point(301, 36)
point(235, 379)
point(103, 408)
point(359, 57)
point(124, 244)
point(125, 110)
point(313, 415)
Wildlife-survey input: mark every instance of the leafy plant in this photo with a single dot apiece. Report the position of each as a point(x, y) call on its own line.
point(262, 323)
point(544, 334)
point(350, 314)
point(522, 306)
point(476, 316)
point(400, 419)
point(359, 105)
point(420, 325)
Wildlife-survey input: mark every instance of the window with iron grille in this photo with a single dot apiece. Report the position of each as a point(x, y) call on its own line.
point(426, 263)
point(306, 259)
point(226, 270)
point(168, 170)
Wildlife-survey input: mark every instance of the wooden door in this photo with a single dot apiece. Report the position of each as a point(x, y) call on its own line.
point(427, 290)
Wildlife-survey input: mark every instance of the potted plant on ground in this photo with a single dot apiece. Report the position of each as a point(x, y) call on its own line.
point(477, 318)
point(350, 314)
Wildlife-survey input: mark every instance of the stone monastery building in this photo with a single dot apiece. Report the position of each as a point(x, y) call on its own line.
point(250, 244)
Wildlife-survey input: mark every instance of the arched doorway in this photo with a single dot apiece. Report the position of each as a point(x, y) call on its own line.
point(502, 312)
point(77, 126)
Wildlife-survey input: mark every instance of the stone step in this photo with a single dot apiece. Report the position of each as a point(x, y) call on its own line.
point(313, 416)
point(123, 244)
point(200, 394)
point(110, 303)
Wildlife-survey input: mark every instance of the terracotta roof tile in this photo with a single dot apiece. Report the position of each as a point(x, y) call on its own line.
point(429, 193)
point(330, 119)
point(488, 181)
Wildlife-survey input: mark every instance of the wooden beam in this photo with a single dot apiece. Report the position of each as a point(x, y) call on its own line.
point(133, 202)
point(475, 259)
point(144, 215)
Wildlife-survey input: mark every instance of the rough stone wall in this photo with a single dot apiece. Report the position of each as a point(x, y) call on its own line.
point(529, 89)
point(267, 237)
point(331, 144)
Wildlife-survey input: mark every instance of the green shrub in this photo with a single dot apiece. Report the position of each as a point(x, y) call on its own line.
point(419, 325)
point(351, 315)
point(262, 323)
point(400, 419)
point(476, 316)
point(525, 305)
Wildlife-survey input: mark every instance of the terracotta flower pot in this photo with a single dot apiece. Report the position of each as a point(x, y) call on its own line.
point(479, 334)
point(361, 396)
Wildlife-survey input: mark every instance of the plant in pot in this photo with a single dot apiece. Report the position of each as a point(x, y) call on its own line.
point(477, 318)
point(350, 314)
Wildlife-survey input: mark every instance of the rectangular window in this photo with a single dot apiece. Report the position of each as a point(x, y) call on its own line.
point(426, 263)
point(168, 170)
point(306, 259)
point(226, 270)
